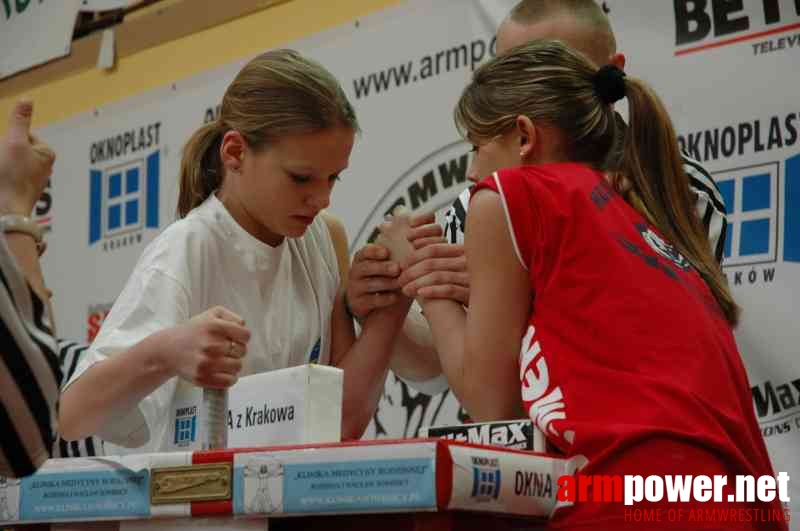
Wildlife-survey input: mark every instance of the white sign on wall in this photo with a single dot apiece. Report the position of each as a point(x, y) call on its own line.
point(33, 32)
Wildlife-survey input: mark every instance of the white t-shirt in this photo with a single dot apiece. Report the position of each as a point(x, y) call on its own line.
point(285, 294)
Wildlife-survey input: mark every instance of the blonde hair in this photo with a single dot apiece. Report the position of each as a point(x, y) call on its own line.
point(554, 85)
point(278, 93)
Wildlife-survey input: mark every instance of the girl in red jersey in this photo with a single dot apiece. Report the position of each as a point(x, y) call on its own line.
point(594, 293)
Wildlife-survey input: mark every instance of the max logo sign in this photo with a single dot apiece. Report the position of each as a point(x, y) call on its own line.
point(704, 24)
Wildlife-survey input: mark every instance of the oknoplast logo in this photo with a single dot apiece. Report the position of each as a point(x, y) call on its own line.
point(763, 213)
point(486, 479)
point(124, 183)
point(185, 426)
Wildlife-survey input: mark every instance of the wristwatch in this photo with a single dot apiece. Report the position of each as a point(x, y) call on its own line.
point(24, 224)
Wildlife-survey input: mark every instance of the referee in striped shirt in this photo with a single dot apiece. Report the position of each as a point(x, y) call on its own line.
point(29, 368)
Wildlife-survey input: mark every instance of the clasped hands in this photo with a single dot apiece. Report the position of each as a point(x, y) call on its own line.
point(411, 258)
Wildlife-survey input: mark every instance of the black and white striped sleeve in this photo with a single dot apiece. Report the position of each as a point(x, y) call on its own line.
point(69, 354)
point(29, 373)
point(453, 219)
point(710, 204)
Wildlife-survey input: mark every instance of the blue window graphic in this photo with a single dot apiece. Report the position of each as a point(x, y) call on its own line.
point(485, 483)
point(128, 202)
point(791, 219)
point(763, 213)
point(124, 198)
point(185, 430)
point(752, 216)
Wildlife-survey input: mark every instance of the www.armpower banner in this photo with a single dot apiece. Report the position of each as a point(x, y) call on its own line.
point(726, 70)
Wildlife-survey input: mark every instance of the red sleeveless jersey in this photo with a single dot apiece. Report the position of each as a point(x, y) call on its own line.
point(627, 360)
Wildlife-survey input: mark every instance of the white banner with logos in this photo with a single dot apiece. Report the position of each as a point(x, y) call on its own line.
point(33, 32)
point(728, 75)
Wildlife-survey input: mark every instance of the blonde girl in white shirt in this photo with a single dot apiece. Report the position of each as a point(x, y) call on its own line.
point(254, 257)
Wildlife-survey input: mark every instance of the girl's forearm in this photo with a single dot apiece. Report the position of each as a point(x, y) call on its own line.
point(111, 387)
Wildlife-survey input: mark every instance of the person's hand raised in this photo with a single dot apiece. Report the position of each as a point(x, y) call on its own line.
point(25, 163)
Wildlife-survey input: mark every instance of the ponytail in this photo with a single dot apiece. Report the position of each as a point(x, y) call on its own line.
point(652, 166)
point(201, 167)
point(552, 84)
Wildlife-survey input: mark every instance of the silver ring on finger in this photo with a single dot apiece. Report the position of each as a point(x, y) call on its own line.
point(231, 348)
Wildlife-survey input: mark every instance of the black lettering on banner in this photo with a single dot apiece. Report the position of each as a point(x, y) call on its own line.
point(775, 139)
point(728, 141)
point(696, 19)
point(773, 400)
point(455, 57)
point(786, 396)
point(426, 69)
point(724, 23)
point(791, 129)
point(420, 194)
point(477, 52)
point(705, 145)
point(745, 135)
point(692, 23)
point(454, 171)
point(712, 144)
point(759, 145)
point(694, 145)
point(536, 484)
point(772, 11)
point(125, 143)
point(458, 54)
point(776, 429)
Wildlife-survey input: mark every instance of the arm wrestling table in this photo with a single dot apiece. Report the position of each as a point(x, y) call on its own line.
point(421, 484)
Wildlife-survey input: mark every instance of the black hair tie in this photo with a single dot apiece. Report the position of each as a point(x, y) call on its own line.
point(609, 84)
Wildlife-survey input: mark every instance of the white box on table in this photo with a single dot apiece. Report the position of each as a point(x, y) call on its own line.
point(297, 405)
